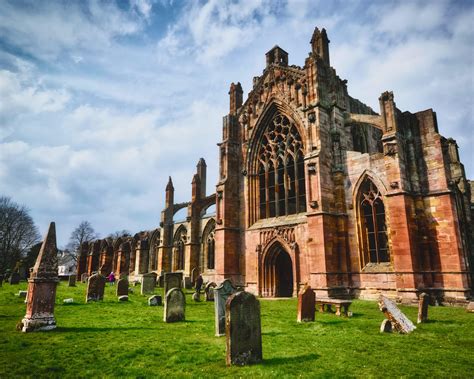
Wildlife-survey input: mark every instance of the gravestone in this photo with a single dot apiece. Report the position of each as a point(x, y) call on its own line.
point(122, 287)
point(175, 303)
point(42, 285)
point(386, 326)
point(95, 288)
point(221, 294)
point(423, 303)
point(123, 298)
point(172, 280)
point(1, 280)
point(84, 278)
point(155, 300)
point(306, 305)
point(470, 307)
point(161, 280)
point(209, 291)
point(14, 278)
point(399, 321)
point(148, 283)
point(243, 329)
point(72, 280)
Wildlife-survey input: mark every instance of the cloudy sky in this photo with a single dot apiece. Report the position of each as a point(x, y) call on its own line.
point(101, 100)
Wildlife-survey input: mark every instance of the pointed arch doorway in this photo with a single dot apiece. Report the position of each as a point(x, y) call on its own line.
point(278, 272)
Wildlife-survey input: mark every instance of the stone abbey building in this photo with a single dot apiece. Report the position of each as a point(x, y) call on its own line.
point(315, 188)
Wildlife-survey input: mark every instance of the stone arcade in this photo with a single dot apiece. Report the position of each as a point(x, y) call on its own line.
point(315, 188)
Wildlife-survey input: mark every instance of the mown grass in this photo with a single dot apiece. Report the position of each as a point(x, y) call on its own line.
point(109, 338)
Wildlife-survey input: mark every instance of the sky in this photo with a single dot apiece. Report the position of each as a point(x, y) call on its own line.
point(101, 101)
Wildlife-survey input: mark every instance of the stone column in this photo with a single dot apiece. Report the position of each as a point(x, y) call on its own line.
point(42, 287)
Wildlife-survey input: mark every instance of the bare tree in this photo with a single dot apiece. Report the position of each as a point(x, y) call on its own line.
point(83, 233)
point(18, 233)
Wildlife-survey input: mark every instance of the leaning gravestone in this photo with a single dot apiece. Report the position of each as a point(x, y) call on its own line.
point(172, 280)
point(122, 287)
point(95, 288)
point(42, 285)
point(148, 283)
point(423, 303)
point(209, 291)
point(175, 303)
point(14, 278)
point(221, 294)
point(399, 321)
point(306, 305)
point(72, 281)
point(84, 278)
point(243, 329)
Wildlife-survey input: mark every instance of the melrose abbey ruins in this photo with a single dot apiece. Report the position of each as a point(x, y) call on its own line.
point(315, 188)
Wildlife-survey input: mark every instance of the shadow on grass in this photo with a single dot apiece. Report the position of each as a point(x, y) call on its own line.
point(88, 329)
point(277, 361)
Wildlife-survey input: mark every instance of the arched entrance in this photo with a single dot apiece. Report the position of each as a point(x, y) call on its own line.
point(278, 273)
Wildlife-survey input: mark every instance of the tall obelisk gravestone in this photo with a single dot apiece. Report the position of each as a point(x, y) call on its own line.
point(42, 287)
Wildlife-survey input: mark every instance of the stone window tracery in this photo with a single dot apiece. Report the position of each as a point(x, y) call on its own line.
point(281, 170)
point(210, 251)
point(372, 223)
point(179, 246)
point(208, 246)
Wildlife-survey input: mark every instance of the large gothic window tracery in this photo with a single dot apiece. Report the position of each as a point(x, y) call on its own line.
point(281, 170)
point(373, 227)
point(178, 249)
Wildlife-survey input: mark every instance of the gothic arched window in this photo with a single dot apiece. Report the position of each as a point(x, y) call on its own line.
point(179, 244)
point(373, 228)
point(208, 256)
point(281, 170)
point(210, 251)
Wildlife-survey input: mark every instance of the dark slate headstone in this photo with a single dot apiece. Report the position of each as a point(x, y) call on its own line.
point(84, 278)
point(172, 280)
point(243, 330)
point(221, 294)
point(155, 300)
point(175, 304)
point(72, 281)
point(306, 305)
point(14, 278)
point(122, 287)
point(399, 321)
point(148, 283)
point(423, 303)
point(95, 288)
point(209, 291)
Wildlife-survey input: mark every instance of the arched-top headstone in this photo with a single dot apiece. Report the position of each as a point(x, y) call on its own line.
point(221, 294)
point(122, 287)
point(175, 304)
point(209, 291)
point(95, 288)
point(306, 305)
point(243, 329)
point(72, 280)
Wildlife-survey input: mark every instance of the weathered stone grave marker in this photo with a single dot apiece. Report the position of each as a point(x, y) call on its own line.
point(72, 281)
point(399, 321)
point(243, 329)
point(154, 300)
point(306, 305)
point(423, 303)
point(209, 291)
point(172, 280)
point(42, 286)
point(148, 283)
point(175, 304)
point(122, 287)
point(95, 288)
point(221, 294)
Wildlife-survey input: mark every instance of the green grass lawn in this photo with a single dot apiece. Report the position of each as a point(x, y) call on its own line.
point(130, 339)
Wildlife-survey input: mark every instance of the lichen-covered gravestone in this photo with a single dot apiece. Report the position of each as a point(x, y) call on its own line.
point(175, 304)
point(221, 294)
point(399, 321)
point(72, 281)
point(42, 285)
point(423, 303)
point(243, 329)
point(172, 280)
point(209, 291)
point(306, 305)
point(148, 283)
point(95, 288)
point(122, 287)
